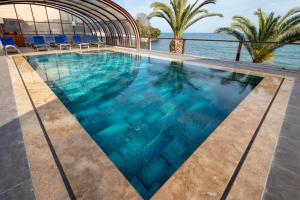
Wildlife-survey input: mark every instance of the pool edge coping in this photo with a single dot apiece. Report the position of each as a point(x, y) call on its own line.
point(105, 162)
point(42, 166)
point(226, 69)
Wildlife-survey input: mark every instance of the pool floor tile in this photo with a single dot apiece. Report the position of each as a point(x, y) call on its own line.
point(139, 116)
point(173, 150)
point(153, 172)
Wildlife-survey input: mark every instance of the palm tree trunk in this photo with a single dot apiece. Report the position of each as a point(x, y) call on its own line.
point(176, 46)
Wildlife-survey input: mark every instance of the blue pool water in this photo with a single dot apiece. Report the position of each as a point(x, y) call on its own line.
point(148, 115)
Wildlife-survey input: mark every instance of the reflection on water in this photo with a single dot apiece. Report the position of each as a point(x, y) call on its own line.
point(174, 78)
point(81, 73)
point(147, 115)
point(244, 80)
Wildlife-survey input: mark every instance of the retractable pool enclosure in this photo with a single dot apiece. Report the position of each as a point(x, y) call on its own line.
point(103, 18)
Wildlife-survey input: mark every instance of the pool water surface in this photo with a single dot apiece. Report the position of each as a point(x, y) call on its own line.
point(147, 115)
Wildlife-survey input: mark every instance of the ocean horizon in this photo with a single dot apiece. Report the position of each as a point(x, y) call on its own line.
point(285, 57)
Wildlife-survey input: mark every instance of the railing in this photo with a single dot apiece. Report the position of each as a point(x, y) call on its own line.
point(239, 46)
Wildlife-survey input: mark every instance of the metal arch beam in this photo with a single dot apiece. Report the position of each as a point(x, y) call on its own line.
point(90, 3)
point(100, 15)
point(70, 12)
point(120, 32)
point(116, 18)
point(79, 6)
point(79, 9)
point(26, 2)
point(76, 14)
point(127, 16)
point(127, 37)
point(59, 8)
point(95, 13)
point(85, 21)
point(94, 20)
point(133, 24)
point(114, 25)
point(127, 33)
point(65, 5)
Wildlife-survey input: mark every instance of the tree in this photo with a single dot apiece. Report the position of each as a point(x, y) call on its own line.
point(144, 18)
point(145, 27)
point(270, 28)
point(180, 16)
point(154, 32)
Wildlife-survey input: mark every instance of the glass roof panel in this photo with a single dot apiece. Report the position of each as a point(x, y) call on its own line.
point(99, 16)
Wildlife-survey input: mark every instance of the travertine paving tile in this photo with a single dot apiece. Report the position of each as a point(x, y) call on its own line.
point(90, 172)
point(15, 178)
point(204, 175)
point(45, 176)
point(252, 177)
point(207, 172)
point(284, 176)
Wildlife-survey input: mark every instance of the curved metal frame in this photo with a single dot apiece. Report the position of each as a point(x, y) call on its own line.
point(92, 21)
point(100, 16)
point(79, 16)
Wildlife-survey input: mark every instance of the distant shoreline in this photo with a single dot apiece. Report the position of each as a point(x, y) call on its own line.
point(287, 56)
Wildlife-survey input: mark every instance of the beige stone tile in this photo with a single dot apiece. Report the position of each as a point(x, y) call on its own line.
point(153, 54)
point(207, 172)
point(46, 179)
point(90, 172)
point(179, 58)
point(203, 176)
point(252, 177)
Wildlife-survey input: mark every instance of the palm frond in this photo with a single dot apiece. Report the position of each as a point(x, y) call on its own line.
point(181, 15)
point(204, 3)
point(162, 15)
point(271, 28)
point(261, 23)
point(157, 6)
point(202, 17)
point(289, 14)
point(288, 23)
point(230, 31)
point(292, 35)
point(245, 25)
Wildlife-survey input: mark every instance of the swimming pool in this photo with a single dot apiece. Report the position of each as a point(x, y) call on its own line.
point(148, 115)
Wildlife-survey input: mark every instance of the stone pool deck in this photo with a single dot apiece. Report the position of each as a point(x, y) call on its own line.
point(45, 153)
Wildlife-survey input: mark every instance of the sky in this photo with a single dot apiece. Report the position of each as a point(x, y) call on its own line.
point(228, 8)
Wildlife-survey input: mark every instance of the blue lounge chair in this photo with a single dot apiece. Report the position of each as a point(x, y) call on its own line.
point(77, 40)
point(8, 42)
point(29, 41)
point(50, 40)
point(39, 43)
point(62, 41)
point(87, 38)
point(93, 40)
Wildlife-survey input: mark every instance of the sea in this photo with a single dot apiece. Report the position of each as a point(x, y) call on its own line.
point(287, 56)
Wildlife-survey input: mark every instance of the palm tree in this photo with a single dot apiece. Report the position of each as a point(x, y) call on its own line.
point(180, 16)
point(270, 28)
